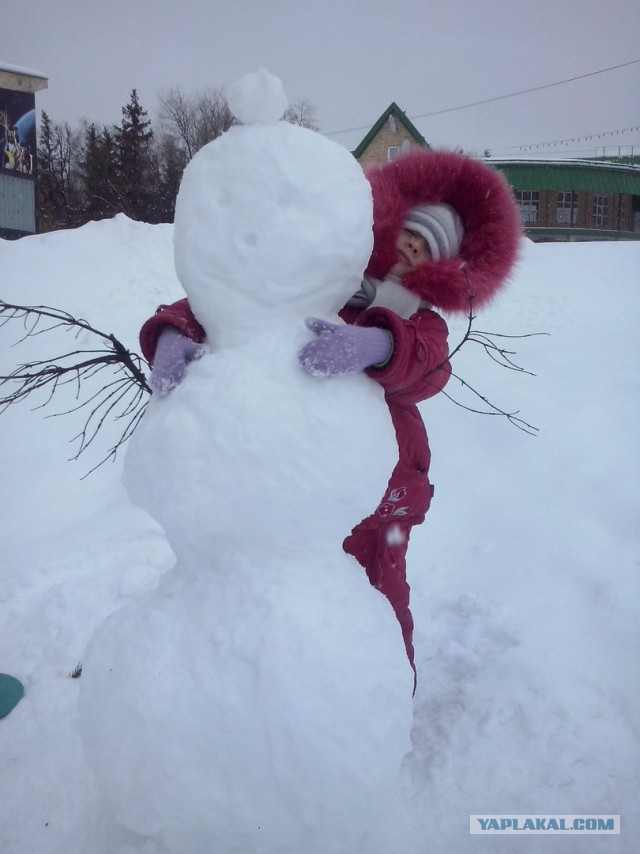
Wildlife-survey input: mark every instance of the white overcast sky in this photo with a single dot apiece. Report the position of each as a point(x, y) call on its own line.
point(351, 59)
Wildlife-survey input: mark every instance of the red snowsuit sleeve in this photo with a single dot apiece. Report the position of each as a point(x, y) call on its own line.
point(179, 315)
point(418, 368)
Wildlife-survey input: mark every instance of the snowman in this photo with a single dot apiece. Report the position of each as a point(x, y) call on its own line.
point(260, 698)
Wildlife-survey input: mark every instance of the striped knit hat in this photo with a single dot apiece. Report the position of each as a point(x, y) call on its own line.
point(440, 226)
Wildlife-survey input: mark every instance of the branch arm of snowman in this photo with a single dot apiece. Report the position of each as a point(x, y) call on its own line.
point(336, 350)
point(126, 396)
point(501, 356)
point(340, 350)
point(123, 397)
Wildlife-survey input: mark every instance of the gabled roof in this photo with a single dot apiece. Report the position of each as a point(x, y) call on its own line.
point(392, 110)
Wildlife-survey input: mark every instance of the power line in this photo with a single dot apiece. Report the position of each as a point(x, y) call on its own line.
point(526, 91)
point(499, 97)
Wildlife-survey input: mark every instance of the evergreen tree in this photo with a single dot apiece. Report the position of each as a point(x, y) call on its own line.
point(98, 172)
point(86, 174)
point(47, 204)
point(137, 174)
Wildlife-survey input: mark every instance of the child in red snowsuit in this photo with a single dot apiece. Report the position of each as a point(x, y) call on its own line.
point(446, 232)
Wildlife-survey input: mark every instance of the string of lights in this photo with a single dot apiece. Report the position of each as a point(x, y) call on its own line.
point(529, 146)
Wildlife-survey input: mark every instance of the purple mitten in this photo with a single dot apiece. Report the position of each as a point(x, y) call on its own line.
point(174, 351)
point(344, 349)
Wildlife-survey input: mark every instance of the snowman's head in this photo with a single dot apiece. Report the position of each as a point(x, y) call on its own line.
point(271, 217)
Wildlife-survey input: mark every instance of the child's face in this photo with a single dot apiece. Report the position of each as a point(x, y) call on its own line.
point(412, 250)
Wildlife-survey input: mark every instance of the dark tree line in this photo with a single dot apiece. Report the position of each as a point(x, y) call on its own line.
point(96, 172)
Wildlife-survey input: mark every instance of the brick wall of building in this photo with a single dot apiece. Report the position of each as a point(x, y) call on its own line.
point(616, 214)
point(378, 149)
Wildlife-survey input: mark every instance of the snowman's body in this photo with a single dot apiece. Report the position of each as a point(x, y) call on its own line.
point(264, 621)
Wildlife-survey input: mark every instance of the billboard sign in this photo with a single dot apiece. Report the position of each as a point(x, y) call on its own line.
point(18, 134)
point(17, 162)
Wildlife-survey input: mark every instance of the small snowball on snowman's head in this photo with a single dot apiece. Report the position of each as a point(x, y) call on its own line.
point(257, 98)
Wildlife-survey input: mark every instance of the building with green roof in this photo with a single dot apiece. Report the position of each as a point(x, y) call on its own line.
point(393, 134)
point(563, 200)
point(570, 200)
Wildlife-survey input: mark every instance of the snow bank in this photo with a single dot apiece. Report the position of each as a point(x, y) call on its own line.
point(524, 576)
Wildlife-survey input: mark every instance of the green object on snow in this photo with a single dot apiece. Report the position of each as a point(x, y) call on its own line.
point(11, 692)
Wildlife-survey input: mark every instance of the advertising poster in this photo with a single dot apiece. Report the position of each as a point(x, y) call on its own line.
point(17, 134)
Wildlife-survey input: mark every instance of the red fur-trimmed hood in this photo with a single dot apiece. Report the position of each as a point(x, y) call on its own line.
point(485, 203)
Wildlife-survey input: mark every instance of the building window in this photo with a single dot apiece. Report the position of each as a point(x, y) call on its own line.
point(393, 152)
point(529, 203)
point(623, 214)
point(567, 208)
point(600, 210)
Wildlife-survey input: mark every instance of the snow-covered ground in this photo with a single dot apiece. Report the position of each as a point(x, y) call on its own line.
point(524, 575)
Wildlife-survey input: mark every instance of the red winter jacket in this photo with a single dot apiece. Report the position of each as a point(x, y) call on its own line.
point(418, 368)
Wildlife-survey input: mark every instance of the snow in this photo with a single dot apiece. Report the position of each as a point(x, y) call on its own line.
point(19, 69)
point(238, 464)
point(524, 575)
point(257, 98)
point(565, 161)
point(274, 217)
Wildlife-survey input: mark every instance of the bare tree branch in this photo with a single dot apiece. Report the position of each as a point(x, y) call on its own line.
point(512, 417)
point(503, 357)
point(302, 113)
point(122, 398)
point(194, 120)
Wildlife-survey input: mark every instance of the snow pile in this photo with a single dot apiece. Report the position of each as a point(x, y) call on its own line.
point(264, 622)
point(524, 575)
